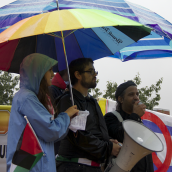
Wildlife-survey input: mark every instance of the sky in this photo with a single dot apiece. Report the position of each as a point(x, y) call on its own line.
point(150, 70)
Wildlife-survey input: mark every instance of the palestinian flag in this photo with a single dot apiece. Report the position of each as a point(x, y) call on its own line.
point(28, 151)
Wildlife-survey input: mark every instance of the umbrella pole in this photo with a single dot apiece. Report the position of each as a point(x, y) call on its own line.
point(67, 67)
point(57, 4)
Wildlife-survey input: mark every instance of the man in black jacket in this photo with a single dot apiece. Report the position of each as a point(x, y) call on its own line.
point(84, 150)
point(128, 107)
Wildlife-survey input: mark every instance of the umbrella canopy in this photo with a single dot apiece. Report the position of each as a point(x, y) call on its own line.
point(149, 47)
point(92, 33)
point(154, 46)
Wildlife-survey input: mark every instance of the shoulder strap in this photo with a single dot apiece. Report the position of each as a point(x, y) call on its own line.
point(118, 116)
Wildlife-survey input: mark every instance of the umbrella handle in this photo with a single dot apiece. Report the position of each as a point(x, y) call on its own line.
point(67, 67)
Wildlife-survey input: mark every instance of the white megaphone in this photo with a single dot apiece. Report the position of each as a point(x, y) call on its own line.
point(139, 141)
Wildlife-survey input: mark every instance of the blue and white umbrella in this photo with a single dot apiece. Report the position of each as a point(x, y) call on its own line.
point(149, 47)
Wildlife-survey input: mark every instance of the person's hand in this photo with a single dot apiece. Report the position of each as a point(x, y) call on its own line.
point(116, 148)
point(114, 141)
point(139, 109)
point(72, 111)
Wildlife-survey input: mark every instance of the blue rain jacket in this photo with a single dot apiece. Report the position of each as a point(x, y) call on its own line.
point(25, 102)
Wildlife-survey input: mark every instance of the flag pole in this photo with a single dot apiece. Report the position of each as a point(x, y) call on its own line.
point(34, 133)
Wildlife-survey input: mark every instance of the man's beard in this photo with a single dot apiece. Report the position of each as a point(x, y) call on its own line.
point(88, 85)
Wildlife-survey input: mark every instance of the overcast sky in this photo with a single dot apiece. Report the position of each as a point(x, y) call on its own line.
point(150, 70)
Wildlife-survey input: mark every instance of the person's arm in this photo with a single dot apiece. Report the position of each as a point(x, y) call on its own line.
point(114, 127)
point(40, 119)
point(85, 140)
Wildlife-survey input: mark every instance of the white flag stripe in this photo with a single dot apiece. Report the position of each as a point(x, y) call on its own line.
point(162, 154)
point(167, 119)
point(84, 161)
point(13, 167)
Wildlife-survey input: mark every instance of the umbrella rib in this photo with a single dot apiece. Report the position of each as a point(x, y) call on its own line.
point(54, 35)
point(70, 33)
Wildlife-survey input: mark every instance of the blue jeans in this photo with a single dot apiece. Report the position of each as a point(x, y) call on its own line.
point(75, 167)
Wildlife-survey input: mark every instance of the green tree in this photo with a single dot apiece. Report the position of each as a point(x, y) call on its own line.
point(110, 91)
point(148, 95)
point(8, 85)
point(95, 92)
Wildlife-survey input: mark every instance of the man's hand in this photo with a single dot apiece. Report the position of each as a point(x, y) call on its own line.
point(116, 148)
point(139, 109)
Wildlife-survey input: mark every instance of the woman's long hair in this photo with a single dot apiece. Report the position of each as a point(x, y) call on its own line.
point(44, 93)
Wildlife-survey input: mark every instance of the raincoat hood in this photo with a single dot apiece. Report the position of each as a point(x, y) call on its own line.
point(32, 70)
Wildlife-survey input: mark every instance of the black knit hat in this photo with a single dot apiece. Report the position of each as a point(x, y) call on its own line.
point(123, 87)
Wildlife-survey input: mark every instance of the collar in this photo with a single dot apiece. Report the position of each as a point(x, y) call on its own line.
point(123, 114)
point(80, 96)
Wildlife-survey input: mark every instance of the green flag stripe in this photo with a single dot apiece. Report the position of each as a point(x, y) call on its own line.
point(20, 169)
point(60, 158)
point(38, 157)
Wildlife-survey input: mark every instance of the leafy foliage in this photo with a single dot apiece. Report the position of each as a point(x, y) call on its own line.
point(8, 85)
point(149, 95)
point(110, 91)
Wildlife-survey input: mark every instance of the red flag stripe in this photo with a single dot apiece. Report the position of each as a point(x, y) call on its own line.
point(30, 143)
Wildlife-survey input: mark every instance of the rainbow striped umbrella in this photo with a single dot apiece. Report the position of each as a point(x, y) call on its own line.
point(87, 33)
point(156, 45)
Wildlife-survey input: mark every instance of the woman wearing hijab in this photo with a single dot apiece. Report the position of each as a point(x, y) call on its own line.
point(32, 100)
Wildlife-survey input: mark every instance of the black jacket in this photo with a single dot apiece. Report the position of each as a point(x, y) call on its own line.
point(116, 131)
point(93, 143)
